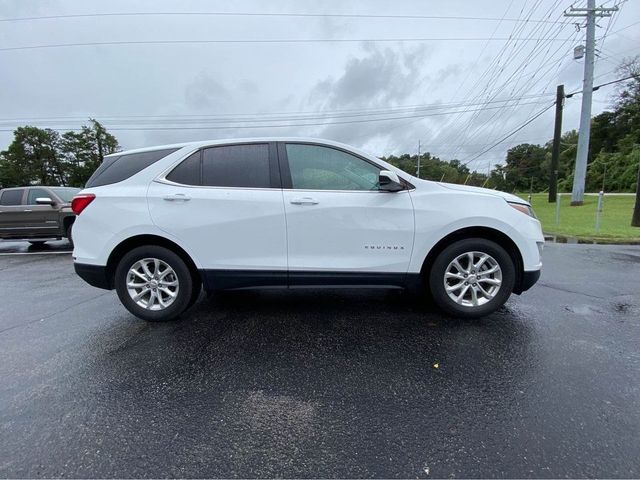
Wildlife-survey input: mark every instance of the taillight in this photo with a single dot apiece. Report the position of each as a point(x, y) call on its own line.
point(80, 202)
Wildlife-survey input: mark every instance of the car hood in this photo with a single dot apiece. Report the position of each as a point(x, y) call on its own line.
point(486, 191)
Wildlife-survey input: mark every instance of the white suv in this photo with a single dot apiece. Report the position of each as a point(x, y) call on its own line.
point(159, 223)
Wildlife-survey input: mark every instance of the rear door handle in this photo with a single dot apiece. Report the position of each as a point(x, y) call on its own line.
point(304, 201)
point(181, 197)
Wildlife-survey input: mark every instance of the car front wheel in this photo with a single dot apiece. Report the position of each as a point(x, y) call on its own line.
point(472, 277)
point(154, 283)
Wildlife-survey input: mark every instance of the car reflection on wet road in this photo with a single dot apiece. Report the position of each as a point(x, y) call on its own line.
point(323, 383)
point(8, 247)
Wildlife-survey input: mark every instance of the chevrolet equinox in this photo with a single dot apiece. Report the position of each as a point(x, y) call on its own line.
point(159, 224)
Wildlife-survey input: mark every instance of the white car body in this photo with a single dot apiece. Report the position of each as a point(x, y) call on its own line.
point(241, 237)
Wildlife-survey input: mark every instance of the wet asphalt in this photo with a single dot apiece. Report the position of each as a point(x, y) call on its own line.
point(322, 383)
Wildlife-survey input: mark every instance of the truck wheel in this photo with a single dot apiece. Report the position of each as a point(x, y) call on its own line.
point(472, 278)
point(70, 234)
point(153, 283)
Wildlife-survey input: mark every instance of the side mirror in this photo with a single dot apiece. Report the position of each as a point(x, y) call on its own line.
point(389, 181)
point(44, 201)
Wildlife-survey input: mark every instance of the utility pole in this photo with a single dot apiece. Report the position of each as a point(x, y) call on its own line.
point(555, 152)
point(418, 174)
point(580, 172)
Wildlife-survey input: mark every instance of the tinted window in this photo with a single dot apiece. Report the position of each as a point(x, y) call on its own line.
point(37, 193)
point(117, 169)
point(315, 167)
point(187, 172)
point(236, 166)
point(11, 197)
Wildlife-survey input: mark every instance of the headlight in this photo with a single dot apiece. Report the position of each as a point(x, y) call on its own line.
point(521, 207)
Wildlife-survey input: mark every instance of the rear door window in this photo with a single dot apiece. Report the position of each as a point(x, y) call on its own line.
point(11, 197)
point(119, 168)
point(237, 166)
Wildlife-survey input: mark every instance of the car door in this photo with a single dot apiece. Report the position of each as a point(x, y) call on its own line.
point(224, 203)
point(41, 220)
point(12, 215)
point(339, 224)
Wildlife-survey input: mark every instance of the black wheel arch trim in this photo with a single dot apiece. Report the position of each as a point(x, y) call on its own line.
point(487, 233)
point(529, 279)
point(94, 275)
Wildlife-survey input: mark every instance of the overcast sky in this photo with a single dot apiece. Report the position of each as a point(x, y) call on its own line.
point(135, 87)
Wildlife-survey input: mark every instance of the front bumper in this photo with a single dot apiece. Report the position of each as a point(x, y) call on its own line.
point(94, 275)
point(527, 280)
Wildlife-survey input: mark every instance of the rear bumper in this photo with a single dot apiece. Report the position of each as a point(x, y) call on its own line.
point(528, 280)
point(94, 275)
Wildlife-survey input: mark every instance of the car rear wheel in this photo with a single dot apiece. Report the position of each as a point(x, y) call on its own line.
point(154, 283)
point(472, 277)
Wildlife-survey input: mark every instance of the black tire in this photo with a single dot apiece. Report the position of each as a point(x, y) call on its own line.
point(70, 234)
point(195, 292)
point(439, 267)
point(185, 282)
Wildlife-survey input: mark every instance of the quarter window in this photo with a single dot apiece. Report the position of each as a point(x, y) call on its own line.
point(188, 172)
point(36, 193)
point(119, 168)
point(236, 166)
point(314, 167)
point(11, 197)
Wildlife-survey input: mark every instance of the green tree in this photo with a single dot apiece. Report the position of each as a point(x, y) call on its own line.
point(42, 156)
point(85, 150)
point(434, 168)
point(33, 157)
point(526, 165)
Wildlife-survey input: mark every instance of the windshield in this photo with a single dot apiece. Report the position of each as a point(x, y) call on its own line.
point(66, 193)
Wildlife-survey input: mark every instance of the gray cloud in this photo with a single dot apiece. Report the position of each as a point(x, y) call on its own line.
point(188, 79)
point(383, 77)
point(206, 93)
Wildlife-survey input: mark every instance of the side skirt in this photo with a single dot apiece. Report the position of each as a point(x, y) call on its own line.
point(239, 279)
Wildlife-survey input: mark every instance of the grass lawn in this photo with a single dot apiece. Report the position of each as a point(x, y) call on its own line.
point(579, 222)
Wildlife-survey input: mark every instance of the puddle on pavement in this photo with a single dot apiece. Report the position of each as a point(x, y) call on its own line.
point(583, 309)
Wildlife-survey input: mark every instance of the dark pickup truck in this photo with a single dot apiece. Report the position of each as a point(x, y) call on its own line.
point(36, 213)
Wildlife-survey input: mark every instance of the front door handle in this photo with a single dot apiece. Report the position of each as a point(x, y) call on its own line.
point(304, 201)
point(27, 210)
point(177, 197)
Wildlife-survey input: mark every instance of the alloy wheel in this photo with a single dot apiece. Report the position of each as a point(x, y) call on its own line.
point(473, 279)
point(152, 284)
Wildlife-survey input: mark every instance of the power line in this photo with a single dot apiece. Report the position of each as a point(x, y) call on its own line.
point(624, 28)
point(517, 74)
point(273, 41)
point(231, 127)
point(260, 14)
point(510, 134)
point(569, 95)
point(270, 116)
point(494, 70)
point(530, 83)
